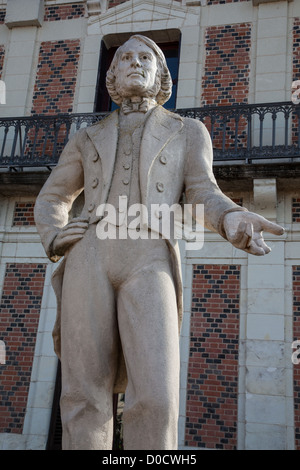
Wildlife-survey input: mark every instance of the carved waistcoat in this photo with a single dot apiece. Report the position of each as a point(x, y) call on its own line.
point(125, 181)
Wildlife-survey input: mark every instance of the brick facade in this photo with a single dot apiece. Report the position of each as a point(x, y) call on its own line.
point(296, 69)
point(227, 64)
point(238, 201)
point(221, 2)
point(64, 12)
point(19, 318)
point(114, 3)
point(296, 49)
point(24, 213)
point(296, 210)
point(211, 411)
point(2, 16)
point(296, 335)
point(226, 75)
point(54, 88)
point(56, 77)
point(211, 408)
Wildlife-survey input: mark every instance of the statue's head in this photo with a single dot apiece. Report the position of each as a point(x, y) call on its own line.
point(139, 68)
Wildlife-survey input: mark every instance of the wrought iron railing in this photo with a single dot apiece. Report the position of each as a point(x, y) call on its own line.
point(245, 132)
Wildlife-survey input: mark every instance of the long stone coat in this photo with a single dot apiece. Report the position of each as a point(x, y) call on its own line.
point(175, 157)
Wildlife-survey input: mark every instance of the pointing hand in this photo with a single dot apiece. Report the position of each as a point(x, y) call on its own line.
point(245, 231)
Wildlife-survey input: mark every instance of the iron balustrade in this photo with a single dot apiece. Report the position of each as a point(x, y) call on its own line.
point(245, 132)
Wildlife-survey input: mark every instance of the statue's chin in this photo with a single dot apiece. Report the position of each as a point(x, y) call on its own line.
point(136, 90)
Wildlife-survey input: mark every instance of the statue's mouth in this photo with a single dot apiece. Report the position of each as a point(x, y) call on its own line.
point(141, 74)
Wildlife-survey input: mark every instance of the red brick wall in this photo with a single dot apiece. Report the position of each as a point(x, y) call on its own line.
point(114, 3)
point(296, 210)
point(24, 213)
point(296, 334)
point(226, 76)
point(238, 201)
point(56, 77)
point(296, 49)
point(296, 69)
point(19, 318)
point(2, 16)
point(64, 12)
point(54, 88)
point(227, 64)
point(220, 2)
point(211, 408)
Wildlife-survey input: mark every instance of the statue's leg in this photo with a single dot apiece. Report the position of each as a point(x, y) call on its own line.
point(89, 350)
point(148, 323)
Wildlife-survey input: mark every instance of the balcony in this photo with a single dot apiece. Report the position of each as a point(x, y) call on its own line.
point(241, 134)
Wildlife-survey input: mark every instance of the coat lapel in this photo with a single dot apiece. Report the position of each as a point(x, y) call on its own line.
point(104, 136)
point(159, 130)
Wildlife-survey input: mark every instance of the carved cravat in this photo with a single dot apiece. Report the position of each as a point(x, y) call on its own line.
point(142, 106)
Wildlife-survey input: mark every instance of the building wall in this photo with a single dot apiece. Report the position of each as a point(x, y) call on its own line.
point(239, 387)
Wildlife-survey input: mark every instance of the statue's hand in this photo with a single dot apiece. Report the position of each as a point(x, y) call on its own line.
point(68, 235)
point(245, 231)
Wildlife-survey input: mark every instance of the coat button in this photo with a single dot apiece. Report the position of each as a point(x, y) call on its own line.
point(91, 207)
point(125, 181)
point(95, 157)
point(163, 159)
point(160, 187)
point(95, 182)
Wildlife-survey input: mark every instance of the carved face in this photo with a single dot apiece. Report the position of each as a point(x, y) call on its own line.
point(137, 68)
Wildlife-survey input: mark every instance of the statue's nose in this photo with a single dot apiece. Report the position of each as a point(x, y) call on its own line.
point(135, 61)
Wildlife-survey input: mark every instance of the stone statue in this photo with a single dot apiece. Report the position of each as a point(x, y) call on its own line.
point(120, 300)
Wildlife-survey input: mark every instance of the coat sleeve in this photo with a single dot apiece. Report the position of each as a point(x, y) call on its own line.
point(200, 184)
point(55, 199)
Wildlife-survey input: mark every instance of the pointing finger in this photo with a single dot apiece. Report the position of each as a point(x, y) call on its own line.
point(271, 227)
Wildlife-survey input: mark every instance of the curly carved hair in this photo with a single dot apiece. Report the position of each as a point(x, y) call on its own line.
point(162, 89)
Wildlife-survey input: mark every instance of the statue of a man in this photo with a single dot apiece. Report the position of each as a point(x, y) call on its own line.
point(119, 301)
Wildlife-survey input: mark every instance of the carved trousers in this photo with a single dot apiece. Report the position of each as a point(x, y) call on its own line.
point(119, 292)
